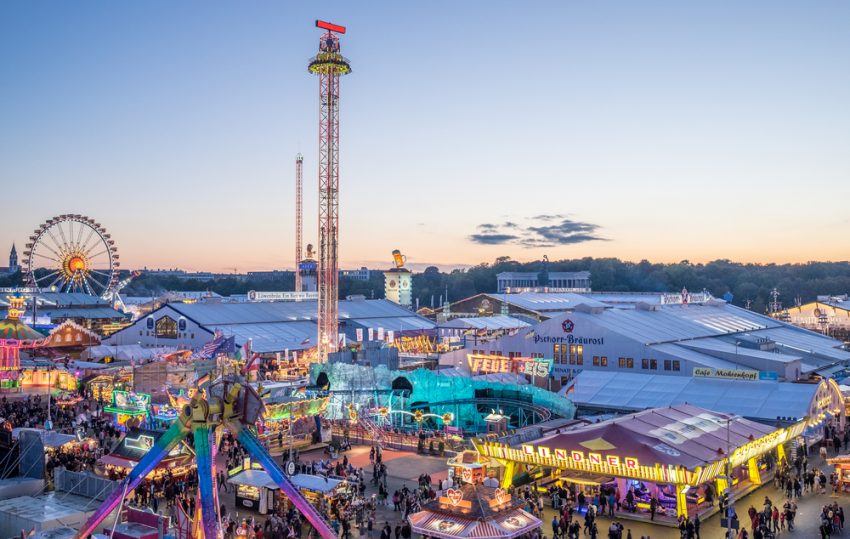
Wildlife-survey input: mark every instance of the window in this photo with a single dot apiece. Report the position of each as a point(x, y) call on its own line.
point(630, 363)
point(676, 365)
point(653, 364)
point(644, 363)
point(166, 328)
point(576, 354)
point(595, 361)
point(564, 380)
point(621, 362)
point(181, 324)
point(668, 364)
point(150, 322)
point(604, 361)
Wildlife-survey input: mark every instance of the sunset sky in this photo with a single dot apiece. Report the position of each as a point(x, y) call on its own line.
point(469, 130)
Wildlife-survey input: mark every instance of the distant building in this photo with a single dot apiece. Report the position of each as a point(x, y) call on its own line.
point(13, 267)
point(273, 274)
point(672, 334)
point(89, 312)
point(361, 274)
point(273, 327)
point(828, 314)
point(573, 281)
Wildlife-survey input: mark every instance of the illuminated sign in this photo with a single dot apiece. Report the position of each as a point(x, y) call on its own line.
point(726, 374)
point(579, 457)
point(569, 339)
point(685, 297)
point(143, 443)
point(758, 447)
point(254, 295)
point(568, 326)
point(487, 364)
point(515, 522)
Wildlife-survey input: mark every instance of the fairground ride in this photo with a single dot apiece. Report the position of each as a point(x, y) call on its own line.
point(229, 403)
point(72, 253)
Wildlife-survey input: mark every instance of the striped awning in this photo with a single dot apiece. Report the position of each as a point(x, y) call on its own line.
point(446, 526)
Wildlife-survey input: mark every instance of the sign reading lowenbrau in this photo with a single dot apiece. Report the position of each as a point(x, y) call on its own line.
point(726, 374)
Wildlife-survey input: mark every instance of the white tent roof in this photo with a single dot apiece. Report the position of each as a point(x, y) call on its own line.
point(253, 478)
point(48, 438)
point(124, 352)
point(260, 478)
point(624, 391)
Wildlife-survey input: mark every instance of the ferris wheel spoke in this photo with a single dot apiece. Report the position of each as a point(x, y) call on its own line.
point(80, 233)
point(86, 284)
point(85, 244)
point(55, 281)
point(71, 233)
point(61, 233)
point(46, 246)
point(48, 258)
point(47, 276)
point(55, 242)
point(98, 254)
point(107, 275)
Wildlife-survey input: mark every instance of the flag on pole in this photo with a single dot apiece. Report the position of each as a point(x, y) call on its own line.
point(219, 345)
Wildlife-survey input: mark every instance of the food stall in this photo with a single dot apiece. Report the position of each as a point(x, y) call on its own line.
point(842, 471)
point(256, 490)
point(134, 446)
point(473, 467)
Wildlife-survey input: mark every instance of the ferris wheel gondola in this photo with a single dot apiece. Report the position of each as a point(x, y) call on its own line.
point(72, 253)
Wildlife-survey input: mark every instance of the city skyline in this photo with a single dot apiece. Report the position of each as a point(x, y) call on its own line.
point(661, 131)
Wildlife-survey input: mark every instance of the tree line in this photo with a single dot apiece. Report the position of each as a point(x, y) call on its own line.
point(750, 284)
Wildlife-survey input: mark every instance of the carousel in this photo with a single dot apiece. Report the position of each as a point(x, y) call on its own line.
point(474, 511)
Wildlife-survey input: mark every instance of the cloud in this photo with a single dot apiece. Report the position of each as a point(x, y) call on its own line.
point(493, 239)
point(543, 231)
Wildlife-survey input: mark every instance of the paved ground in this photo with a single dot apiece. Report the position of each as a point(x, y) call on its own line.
point(405, 467)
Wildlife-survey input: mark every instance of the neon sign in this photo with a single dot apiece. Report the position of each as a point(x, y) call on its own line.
point(489, 364)
point(579, 457)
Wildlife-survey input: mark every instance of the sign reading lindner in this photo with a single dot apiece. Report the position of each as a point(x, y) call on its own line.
point(487, 364)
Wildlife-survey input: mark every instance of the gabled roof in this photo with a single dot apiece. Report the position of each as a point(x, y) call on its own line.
point(683, 434)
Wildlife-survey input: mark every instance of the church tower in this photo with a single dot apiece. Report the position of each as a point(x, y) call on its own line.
point(13, 260)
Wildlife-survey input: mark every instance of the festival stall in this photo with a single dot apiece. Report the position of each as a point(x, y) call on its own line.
point(134, 446)
point(256, 490)
point(842, 471)
point(474, 511)
point(473, 467)
point(675, 455)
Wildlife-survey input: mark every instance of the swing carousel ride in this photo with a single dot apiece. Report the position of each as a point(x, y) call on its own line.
point(228, 403)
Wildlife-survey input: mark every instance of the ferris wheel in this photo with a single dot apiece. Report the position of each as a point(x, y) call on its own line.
point(72, 253)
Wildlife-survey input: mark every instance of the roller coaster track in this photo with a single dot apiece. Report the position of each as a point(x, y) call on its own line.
point(538, 412)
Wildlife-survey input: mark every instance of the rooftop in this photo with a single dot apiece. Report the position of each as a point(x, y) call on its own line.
point(627, 392)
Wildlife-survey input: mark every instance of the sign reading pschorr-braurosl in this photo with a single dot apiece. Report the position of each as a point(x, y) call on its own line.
point(726, 374)
point(254, 295)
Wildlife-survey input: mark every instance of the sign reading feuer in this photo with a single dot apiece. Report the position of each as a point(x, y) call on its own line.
point(487, 364)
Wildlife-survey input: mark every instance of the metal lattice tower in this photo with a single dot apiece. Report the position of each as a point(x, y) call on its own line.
point(299, 222)
point(329, 65)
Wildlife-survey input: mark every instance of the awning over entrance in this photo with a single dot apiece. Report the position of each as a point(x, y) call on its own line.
point(680, 444)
